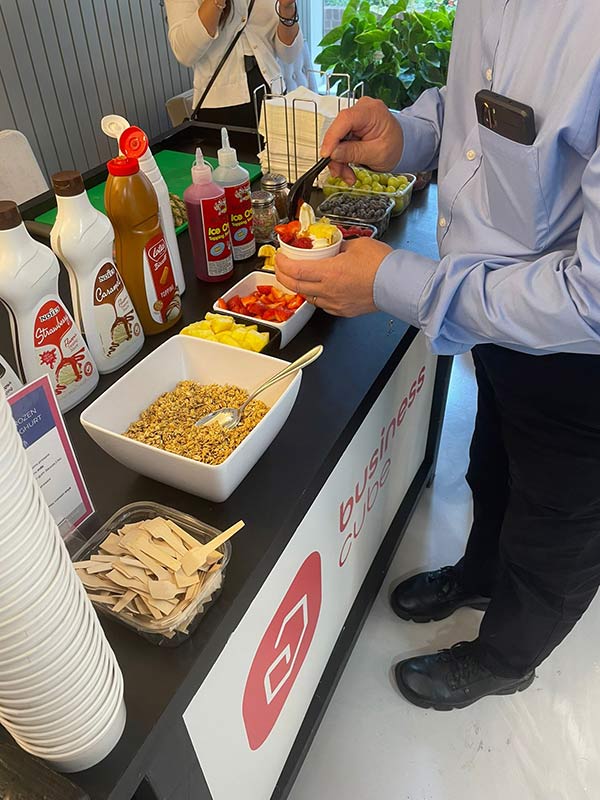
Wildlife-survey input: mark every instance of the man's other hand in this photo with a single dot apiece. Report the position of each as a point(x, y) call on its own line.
point(342, 285)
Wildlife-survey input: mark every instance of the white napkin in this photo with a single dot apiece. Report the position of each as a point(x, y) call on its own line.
point(294, 127)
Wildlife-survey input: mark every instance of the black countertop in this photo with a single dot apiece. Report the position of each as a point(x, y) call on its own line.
point(335, 394)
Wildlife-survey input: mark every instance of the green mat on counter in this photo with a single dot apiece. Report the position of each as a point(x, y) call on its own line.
point(176, 169)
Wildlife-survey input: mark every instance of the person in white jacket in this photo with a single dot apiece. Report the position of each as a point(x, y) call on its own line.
point(200, 32)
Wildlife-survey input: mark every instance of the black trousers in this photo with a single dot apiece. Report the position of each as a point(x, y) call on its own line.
point(534, 472)
point(243, 115)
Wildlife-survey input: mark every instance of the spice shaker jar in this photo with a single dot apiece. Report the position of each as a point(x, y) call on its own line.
point(277, 184)
point(265, 216)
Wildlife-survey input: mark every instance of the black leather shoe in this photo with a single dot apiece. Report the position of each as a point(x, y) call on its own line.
point(453, 678)
point(431, 596)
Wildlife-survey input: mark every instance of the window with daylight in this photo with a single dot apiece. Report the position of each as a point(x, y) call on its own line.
point(397, 49)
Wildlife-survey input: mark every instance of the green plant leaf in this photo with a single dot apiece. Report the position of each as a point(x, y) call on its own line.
point(393, 10)
point(347, 44)
point(333, 36)
point(330, 56)
point(349, 11)
point(371, 37)
point(415, 47)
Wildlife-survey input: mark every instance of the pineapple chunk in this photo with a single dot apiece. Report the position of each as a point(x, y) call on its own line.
point(203, 334)
point(220, 324)
point(226, 338)
point(210, 316)
point(224, 329)
point(256, 341)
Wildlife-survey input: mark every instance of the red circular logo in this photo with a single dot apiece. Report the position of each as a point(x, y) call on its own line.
point(88, 369)
point(281, 652)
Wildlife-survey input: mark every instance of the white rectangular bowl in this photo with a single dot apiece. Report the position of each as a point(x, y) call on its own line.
point(248, 284)
point(186, 358)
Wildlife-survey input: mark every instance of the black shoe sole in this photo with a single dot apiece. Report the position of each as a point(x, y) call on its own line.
point(422, 618)
point(409, 695)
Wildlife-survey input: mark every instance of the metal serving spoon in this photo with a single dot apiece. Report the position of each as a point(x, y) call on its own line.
point(231, 417)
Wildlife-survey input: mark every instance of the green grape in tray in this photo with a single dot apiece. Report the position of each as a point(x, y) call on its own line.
point(398, 187)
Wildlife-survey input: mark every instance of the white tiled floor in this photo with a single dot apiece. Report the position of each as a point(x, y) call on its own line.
point(538, 745)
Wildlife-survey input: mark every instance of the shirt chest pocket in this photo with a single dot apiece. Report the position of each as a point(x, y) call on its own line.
point(516, 201)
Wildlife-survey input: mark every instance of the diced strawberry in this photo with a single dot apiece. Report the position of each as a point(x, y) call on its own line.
point(222, 304)
point(295, 302)
point(282, 314)
point(267, 303)
point(235, 305)
point(303, 242)
point(287, 231)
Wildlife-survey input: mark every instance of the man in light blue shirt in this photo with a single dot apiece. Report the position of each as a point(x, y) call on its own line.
point(518, 282)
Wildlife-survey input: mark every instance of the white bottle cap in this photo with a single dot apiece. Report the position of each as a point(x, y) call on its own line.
point(227, 155)
point(113, 125)
point(201, 171)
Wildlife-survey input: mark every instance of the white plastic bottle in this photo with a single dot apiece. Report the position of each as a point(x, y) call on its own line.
point(83, 239)
point(236, 182)
point(9, 380)
point(45, 338)
point(133, 142)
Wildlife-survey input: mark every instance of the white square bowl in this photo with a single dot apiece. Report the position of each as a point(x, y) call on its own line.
point(248, 284)
point(186, 358)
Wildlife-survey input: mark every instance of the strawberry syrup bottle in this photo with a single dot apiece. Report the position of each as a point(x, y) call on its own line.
point(208, 224)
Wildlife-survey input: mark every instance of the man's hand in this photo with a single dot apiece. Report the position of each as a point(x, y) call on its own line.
point(342, 285)
point(378, 139)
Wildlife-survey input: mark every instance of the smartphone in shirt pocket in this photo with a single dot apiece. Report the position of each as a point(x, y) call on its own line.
point(511, 167)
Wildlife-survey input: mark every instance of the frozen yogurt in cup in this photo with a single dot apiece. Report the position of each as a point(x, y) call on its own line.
point(306, 239)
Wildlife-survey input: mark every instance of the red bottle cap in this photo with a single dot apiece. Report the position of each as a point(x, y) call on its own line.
point(133, 142)
point(122, 165)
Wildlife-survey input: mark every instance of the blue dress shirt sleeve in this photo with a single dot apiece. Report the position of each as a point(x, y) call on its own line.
point(549, 304)
point(422, 128)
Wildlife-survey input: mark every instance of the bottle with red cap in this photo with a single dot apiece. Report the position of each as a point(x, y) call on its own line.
point(235, 180)
point(208, 224)
point(45, 338)
point(83, 238)
point(133, 142)
point(141, 251)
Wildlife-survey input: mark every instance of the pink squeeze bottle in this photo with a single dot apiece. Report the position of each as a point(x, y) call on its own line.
point(208, 224)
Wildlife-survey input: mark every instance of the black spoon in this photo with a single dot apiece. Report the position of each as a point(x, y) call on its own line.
point(302, 189)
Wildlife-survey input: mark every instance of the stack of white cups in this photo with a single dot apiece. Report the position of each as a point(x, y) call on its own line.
point(61, 689)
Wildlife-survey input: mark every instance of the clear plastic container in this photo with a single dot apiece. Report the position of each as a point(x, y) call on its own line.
point(349, 223)
point(176, 631)
point(380, 220)
point(401, 197)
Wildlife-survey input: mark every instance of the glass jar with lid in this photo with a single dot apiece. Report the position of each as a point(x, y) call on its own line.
point(264, 216)
point(277, 184)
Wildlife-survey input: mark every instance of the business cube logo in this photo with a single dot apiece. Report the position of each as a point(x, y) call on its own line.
point(281, 652)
